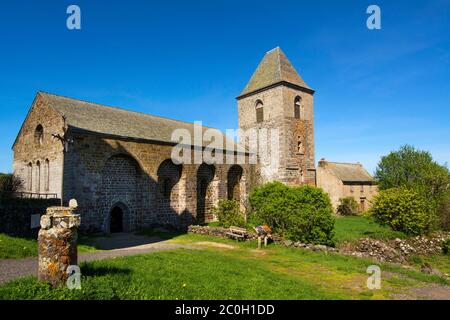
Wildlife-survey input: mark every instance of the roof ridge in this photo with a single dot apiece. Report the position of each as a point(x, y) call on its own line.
point(336, 162)
point(121, 109)
point(274, 69)
point(279, 63)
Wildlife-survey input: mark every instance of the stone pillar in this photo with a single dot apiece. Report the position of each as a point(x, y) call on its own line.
point(57, 244)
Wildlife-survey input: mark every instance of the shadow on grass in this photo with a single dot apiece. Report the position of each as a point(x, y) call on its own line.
point(162, 233)
point(96, 271)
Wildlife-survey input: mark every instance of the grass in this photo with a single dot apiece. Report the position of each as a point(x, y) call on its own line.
point(440, 262)
point(351, 228)
point(16, 248)
point(224, 269)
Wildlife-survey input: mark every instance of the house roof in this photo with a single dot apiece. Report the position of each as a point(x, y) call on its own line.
point(348, 172)
point(274, 68)
point(100, 119)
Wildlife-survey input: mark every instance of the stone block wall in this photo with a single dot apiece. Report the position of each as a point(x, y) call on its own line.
point(15, 215)
point(295, 162)
point(101, 172)
point(38, 160)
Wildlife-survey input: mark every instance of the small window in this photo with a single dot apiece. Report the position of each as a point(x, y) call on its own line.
point(259, 112)
point(300, 147)
point(47, 175)
point(38, 177)
point(297, 107)
point(39, 135)
point(30, 177)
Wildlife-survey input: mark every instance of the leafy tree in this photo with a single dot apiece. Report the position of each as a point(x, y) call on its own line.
point(10, 183)
point(414, 169)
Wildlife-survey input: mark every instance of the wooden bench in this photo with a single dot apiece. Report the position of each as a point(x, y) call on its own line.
point(237, 233)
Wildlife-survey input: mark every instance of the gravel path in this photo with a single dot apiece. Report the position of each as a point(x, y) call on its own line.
point(15, 268)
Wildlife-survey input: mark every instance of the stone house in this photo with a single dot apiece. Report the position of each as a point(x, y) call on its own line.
point(341, 180)
point(118, 163)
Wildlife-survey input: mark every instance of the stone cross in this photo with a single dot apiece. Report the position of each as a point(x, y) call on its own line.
point(57, 244)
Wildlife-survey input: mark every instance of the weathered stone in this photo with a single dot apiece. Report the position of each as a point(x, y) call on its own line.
point(287, 243)
point(396, 250)
point(57, 242)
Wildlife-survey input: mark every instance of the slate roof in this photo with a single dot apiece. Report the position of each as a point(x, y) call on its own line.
point(349, 172)
point(274, 68)
point(100, 119)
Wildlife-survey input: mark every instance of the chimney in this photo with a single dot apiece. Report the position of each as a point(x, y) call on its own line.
point(323, 163)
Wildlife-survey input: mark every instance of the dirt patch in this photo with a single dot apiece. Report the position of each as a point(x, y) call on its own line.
point(214, 245)
point(258, 252)
point(433, 292)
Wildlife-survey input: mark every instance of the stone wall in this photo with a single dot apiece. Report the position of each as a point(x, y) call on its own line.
point(99, 173)
point(336, 189)
point(15, 215)
point(38, 161)
point(295, 161)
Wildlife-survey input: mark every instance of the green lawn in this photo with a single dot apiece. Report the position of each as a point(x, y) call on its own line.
point(14, 248)
point(224, 269)
point(355, 227)
point(440, 262)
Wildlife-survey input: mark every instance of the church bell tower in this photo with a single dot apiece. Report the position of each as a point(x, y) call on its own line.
point(276, 97)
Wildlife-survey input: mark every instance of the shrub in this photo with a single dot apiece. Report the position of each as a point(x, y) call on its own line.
point(347, 207)
point(229, 214)
point(444, 215)
point(10, 183)
point(415, 169)
point(403, 210)
point(446, 246)
point(298, 213)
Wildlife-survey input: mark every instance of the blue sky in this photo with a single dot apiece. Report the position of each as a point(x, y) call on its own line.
point(188, 60)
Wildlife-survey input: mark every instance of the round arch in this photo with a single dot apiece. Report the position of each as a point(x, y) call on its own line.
point(118, 218)
point(234, 177)
point(206, 196)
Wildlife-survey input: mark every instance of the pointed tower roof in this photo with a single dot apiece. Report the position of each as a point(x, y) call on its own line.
point(274, 69)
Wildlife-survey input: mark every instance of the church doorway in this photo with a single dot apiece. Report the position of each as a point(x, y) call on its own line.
point(116, 220)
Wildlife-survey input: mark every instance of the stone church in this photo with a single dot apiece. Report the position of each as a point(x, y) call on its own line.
point(117, 163)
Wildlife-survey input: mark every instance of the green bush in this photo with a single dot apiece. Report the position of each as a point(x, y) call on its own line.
point(347, 207)
point(416, 170)
point(229, 214)
point(444, 215)
point(297, 213)
point(403, 210)
point(446, 246)
point(10, 183)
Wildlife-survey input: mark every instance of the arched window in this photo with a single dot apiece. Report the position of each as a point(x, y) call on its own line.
point(234, 177)
point(168, 176)
point(38, 177)
point(259, 111)
point(47, 175)
point(30, 177)
point(39, 135)
point(205, 194)
point(297, 107)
